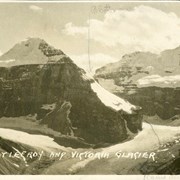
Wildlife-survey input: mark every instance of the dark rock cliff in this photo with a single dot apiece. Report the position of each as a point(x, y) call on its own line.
point(164, 102)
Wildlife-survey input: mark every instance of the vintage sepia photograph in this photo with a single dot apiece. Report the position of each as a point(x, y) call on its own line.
point(90, 88)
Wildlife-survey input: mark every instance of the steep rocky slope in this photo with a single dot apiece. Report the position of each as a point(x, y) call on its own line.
point(145, 79)
point(46, 82)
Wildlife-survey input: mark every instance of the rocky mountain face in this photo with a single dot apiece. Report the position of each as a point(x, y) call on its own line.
point(145, 79)
point(39, 79)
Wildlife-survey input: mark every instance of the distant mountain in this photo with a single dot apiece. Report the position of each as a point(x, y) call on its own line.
point(145, 69)
point(146, 79)
point(42, 80)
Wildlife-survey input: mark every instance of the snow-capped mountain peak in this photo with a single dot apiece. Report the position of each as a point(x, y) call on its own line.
point(30, 51)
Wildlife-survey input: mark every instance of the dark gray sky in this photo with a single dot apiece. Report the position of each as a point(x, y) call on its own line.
point(115, 28)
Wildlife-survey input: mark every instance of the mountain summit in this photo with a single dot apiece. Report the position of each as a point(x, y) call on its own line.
point(31, 51)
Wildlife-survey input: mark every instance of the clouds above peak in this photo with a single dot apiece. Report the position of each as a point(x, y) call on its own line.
point(141, 29)
point(35, 8)
point(70, 29)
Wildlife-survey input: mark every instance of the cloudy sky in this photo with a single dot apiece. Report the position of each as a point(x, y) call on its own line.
point(113, 29)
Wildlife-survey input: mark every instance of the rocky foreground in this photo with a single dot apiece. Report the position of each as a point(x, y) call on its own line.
point(147, 153)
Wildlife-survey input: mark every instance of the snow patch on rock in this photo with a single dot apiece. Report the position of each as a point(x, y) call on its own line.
point(8, 61)
point(49, 106)
point(111, 100)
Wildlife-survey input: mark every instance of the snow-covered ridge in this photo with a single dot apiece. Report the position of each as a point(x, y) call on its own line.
point(159, 79)
point(112, 100)
point(87, 76)
point(107, 98)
